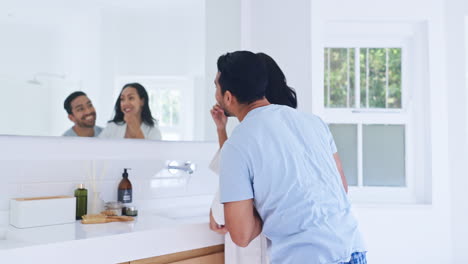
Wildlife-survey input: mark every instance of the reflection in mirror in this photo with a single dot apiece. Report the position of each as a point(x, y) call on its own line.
point(51, 49)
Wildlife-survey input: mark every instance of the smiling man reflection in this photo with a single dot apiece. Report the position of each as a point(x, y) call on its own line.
point(81, 111)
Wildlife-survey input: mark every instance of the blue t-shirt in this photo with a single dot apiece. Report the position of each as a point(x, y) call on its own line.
point(283, 159)
point(71, 133)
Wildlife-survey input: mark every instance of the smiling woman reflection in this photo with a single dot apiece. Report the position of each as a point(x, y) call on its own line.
point(133, 117)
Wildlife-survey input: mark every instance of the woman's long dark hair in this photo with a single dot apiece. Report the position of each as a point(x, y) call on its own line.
point(277, 91)
point(146, 116)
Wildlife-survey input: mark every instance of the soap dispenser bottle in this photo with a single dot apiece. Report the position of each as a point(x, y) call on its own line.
point(124, 194)
point(81, 195)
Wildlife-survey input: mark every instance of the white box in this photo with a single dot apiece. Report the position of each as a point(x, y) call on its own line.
point(42, 211)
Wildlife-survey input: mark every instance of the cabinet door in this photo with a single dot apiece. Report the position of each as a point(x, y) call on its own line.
point(208, 255)
point(217, 258)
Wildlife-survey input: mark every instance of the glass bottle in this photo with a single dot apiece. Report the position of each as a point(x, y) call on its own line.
point(81, 195)
point(124, 193)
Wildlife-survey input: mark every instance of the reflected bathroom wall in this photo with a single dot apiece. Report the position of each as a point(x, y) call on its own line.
point(31, 108)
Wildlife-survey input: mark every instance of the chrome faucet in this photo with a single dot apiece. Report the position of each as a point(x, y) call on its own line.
point(186, 166)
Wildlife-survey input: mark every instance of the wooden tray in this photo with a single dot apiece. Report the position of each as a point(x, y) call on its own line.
point(102, 218)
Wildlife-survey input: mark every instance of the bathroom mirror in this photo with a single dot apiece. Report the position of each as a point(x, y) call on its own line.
point(51, 48)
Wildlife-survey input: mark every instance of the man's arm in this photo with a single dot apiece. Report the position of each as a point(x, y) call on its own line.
point(242, 221)
point(340, 169)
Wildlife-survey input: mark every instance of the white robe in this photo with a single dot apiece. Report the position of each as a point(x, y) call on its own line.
point(114, 130)
point(255, 252)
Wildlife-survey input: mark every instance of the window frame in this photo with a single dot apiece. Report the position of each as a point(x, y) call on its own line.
point(368, 37)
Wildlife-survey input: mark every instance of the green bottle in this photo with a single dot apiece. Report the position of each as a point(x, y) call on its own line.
point(81, 195)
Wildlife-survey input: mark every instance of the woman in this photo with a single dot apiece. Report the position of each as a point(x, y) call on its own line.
point(277, 92)
point(133, 117)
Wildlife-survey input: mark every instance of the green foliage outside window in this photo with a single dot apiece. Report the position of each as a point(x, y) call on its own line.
point(379, 72)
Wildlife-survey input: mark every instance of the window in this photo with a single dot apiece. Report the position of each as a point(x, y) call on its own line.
point(378, 77)
point(367, 83)
point(170, 101)
point(165, 103)
point(370, 73)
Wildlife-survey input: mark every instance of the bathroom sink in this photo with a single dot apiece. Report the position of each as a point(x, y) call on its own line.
point(2, 233)
point(192, 213)
point(7, 242)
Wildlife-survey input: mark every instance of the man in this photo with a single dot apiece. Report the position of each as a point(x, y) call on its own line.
point(81, 112)
point(279, 174)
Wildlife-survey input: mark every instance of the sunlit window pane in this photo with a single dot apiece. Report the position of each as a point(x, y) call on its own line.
point(339, 77)
point(394, 78)
point(165, 106)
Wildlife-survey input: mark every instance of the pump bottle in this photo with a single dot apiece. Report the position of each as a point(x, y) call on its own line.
point(124, 193)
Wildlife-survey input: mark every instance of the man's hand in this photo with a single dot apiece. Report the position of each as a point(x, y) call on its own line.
point(220, 119)
point(220, 229)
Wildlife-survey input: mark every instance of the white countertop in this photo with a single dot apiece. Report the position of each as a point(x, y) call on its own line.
point(154, 232)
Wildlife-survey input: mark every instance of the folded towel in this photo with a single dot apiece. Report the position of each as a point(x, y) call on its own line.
point(217, 208)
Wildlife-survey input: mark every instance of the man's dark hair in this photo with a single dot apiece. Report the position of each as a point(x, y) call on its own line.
point(146, 116)
point(244, 74)
point(69, 100)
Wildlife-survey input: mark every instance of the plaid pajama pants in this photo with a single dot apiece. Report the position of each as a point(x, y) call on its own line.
point(357, 258)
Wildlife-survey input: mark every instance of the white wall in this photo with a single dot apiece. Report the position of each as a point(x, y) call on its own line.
point(54, 41)
point(457, 46)
point(406, 233)
point(20, 62)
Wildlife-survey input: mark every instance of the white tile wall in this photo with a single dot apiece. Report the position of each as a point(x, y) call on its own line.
point(46, 177)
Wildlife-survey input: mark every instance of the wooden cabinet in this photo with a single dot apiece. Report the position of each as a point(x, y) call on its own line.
point(208, 255)
point(216, 258)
